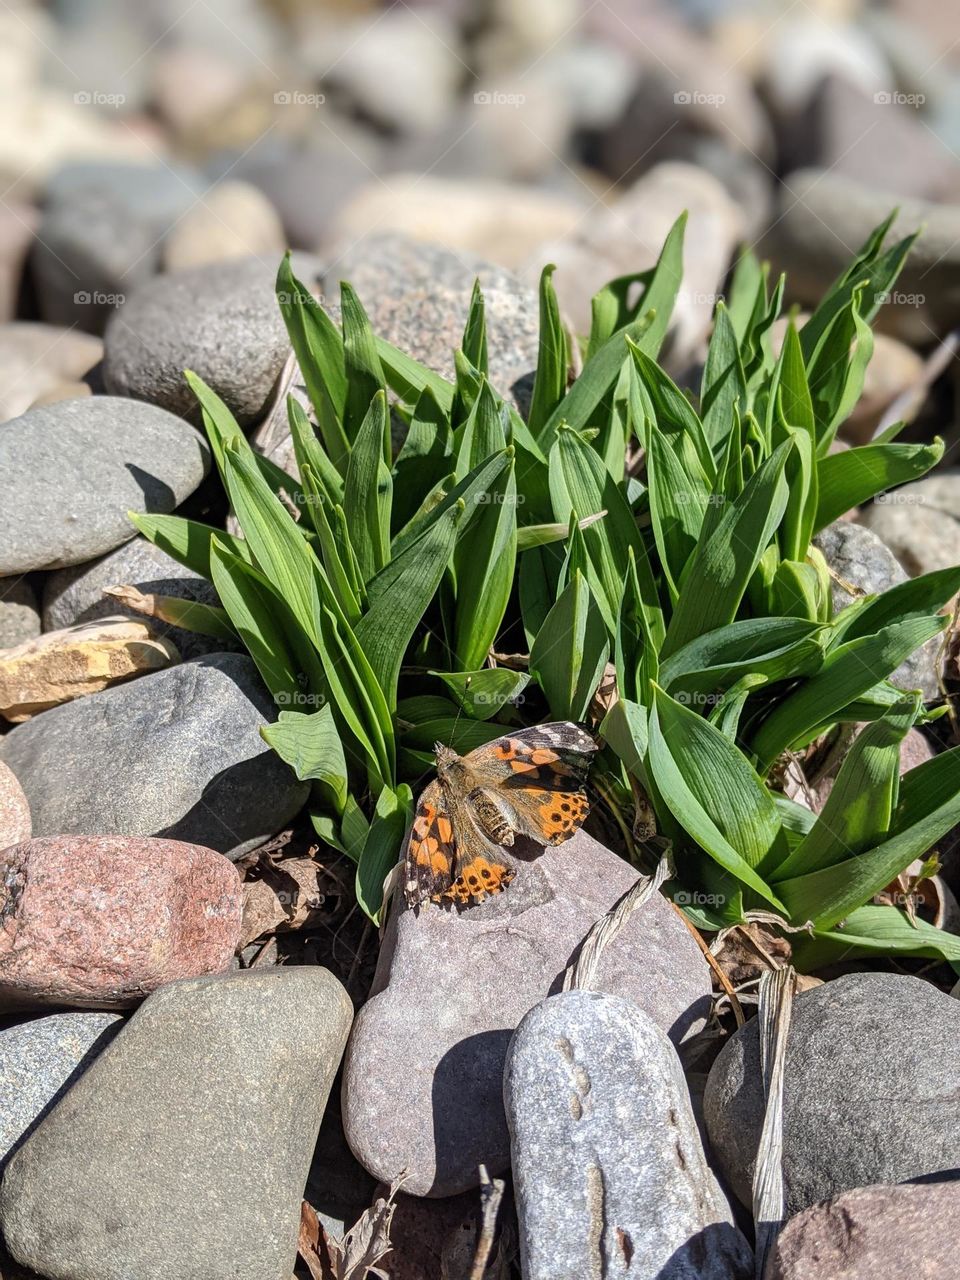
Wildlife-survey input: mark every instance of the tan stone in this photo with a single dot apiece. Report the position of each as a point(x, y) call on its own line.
point(235, 220)
point(71, 663)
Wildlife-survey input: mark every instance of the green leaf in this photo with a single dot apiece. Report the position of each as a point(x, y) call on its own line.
point(915, 598)
point(860, 805)
point(673, 412)
point(336, 551)
point(319, 351)
point(309, 452)
point(776, 648)
point(875, 930)
point(850, 478)
point(570, 652)
point(723, 383)
point(425, 458)
point(724, 562)
point(177, 611)
point(368, 490)
point(365, 377)
point(691, 799)
point(485, 693)
point(188, 541)
point(553, 357)
point(381, 848)
point(678, 502)
point(474, 344)
point(408, 378)
point(624, 727)
point(311, 746)
point(484, 567)
point(848, 672)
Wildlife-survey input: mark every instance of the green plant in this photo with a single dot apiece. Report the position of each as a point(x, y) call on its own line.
point(495, 568)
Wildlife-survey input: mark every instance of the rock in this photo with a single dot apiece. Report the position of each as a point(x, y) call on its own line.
point(190, 85)
point(863, 560)
point(40, 1058)
point(100, 921)
point(609, 1172)
point(34, 358)
point(19, 612)
point(450, 990)
point(234, 220)
point(77, 661)
point(806, 48)
point(18, 226)
point(824, 217)
point(184, 1149)
point(920, 522)
point(101, 234)
point(418, 297)
point(894, 370)
point(63, 391)
point(14, 809)
point(501, 222)
point(85, 464)
point(871, 1233)
point(628, 237)
point(141, 759)
point(221, 320)
point(872, 1061)
point(77, 595)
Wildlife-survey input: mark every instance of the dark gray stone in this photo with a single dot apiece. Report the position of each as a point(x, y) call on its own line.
point(40, 1058)
point(184, 1149)
point(80, 467)
point(175, 754)
point(872, 1089)
point(418, 296)
point(76, 594)
point(450, 989)
point(609, 1172)
point(101, 234)
point(222, 321)
point(920, 522)
point(863, 560)
point(19, 612)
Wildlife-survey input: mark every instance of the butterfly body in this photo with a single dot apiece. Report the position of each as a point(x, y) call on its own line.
point(529, 784)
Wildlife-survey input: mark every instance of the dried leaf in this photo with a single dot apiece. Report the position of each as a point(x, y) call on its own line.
point(355, 1257)
point(262, 911)
point(287, 896)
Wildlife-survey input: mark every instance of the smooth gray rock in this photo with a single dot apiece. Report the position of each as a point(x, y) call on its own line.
point(609, 1172)
point(19, 612)
point(101, 235)
point(222, 321)
point(862, 559)
point(872, 1089)
point(418, 296)
point(184, 1150)
point(423, 1076)
point(920, 522)
point(177, 754)
point(40, 1058)
point(76, 594)
point(81, 465)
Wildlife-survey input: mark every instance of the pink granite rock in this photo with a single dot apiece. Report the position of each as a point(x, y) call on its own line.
point(100, 921)
point(14, 809)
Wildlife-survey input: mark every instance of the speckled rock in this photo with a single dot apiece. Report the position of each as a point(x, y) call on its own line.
point(183, 1151)
point(234, 220)
point(609, 1172)
point(920, 522)
point(40, 1058)
point(19, 612)
point(99, 921)
point(862, 559)
point(872, 1233)
point(873, 1061)
point(221, 320)
point(141, 759)
point(418, 296)
point(450, 989)
point(14, 809)
point(76, 594)
point(85, 464)
point(35, 358)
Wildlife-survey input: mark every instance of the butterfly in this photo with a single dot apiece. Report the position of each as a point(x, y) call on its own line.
point(528, 784)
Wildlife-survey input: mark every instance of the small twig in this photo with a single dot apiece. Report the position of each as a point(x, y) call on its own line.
point(714, 965)
point(491, 1197)
point(769, 1203)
